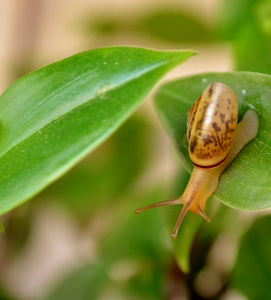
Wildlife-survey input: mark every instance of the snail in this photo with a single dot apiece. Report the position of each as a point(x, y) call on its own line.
point(214, 140)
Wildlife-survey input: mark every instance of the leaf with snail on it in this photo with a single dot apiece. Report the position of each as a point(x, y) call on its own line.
point(245, 184)
point(53, 117)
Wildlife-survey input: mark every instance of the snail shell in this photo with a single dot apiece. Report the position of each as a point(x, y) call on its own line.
point(211, 125)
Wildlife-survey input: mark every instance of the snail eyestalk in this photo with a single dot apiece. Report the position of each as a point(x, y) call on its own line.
point(203, 214)
point(175, 201)
point(180, 219)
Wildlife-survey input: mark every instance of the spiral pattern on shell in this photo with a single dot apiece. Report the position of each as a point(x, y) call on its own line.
point(211, 124)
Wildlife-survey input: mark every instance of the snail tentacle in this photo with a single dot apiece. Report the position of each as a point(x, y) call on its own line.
point(175, 201)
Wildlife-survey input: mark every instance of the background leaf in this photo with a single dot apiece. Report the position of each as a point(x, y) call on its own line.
point(53, 117)
point(247, 23)
point(131, 260)
point(84, 283)
point(257, 59)
point(180, 27)
point(246, 183)
point(232, 15)
point(252, 271)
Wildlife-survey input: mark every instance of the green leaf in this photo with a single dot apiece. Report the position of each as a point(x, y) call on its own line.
point(252, 271)
point(53, 117)
point(246, 183)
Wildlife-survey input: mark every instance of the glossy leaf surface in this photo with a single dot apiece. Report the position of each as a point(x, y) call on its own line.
point(53, 117)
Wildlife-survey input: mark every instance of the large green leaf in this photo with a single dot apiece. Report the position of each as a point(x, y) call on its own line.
point(53, 117)
point(246, 183)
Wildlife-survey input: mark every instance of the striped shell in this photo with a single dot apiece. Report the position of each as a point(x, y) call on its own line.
point(211, 123)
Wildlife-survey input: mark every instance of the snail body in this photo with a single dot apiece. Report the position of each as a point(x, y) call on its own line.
point(214, 140)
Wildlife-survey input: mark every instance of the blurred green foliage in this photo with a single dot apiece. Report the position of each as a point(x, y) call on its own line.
point(168, 25)
point(132, 256)
point(176, 26)
point(135, 257)
point(252, 50)
point(247, 24)
point(252, 271)
point(2, 228)
point(84, 283)
point(4, 296)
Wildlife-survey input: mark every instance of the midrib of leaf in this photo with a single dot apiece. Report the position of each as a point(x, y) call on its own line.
point(175, 96)
point(59, 90)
